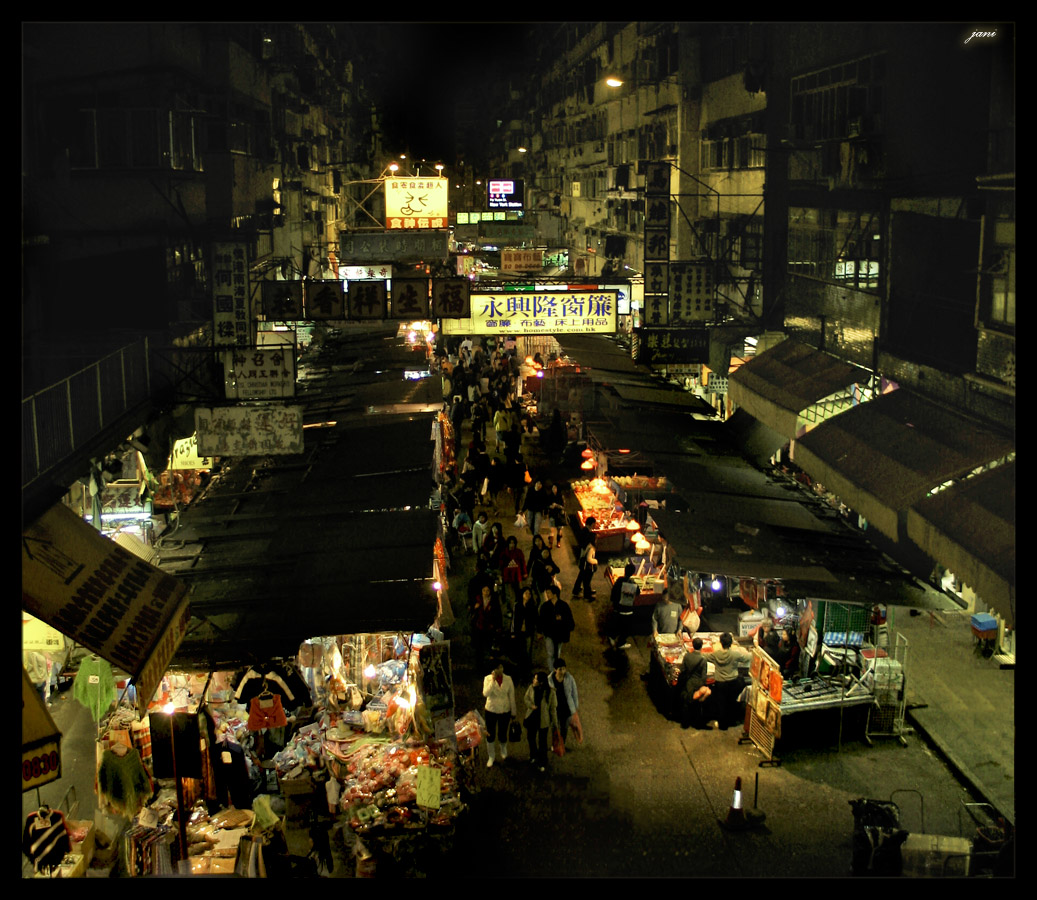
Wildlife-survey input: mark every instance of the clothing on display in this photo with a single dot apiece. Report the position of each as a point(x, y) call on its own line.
point(265, 711)
point(95, 686)
point(123, 784)
point(280, 678)
point(45, 839)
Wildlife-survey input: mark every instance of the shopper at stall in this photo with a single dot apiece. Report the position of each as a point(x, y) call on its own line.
point(789, 651)
point(727, 679)
point(541, 717)
point(666, 617)
point(692, 692)
point(512, 573)
point(487, 625)
point(568, 698)
point(499, 691)
point(555, 514)
point(588, 563)
point(556, 625)
point(524, 630)
point(621, 600)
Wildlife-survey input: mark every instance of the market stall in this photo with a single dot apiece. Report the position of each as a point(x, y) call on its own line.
point(666, 652)
point(650, 580)
point(611, 523)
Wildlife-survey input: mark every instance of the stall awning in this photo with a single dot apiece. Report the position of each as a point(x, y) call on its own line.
point(882, 457)
point(756, 440)
point(970, 529)
point(781, 382)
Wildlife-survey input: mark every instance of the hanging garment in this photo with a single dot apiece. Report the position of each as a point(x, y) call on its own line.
point(94, 686)
point(231, 771)
point(45, 839)
point(266, 711)
point(123, 783)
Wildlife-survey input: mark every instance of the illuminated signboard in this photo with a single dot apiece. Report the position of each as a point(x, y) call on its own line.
point(504, 194)
point(548, 312)
point(416, 203)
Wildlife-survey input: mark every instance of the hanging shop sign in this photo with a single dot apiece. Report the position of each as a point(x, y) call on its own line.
point(416, 203)
point(368, 273)
point(388, 247)
point(249, 430)
point(98, 593)
point(521, 313)
point(366, 300)
point(324, 299)
point(282, 300)
point(691, 292)
point(259, 373)
point(505, 193)
point(451, 298)
point(505, 232)
point(674, 346)
point(232, 326)
point(122, 500)
point(522, 260)
point(185, 455)
point(410, 299)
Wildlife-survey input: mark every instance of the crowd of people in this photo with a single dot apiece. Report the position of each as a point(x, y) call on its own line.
point(515, 608)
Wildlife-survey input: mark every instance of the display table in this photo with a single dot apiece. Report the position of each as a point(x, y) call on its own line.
point(597, 502)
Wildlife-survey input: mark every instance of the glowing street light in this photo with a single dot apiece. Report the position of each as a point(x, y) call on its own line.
point(612, 81)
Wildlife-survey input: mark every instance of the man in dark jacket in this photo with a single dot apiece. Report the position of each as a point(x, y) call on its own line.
point(691, 686)
point(556, 625)
point(622, 608)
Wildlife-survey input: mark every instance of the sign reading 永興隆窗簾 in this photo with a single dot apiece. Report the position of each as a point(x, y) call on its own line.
point(550, 312)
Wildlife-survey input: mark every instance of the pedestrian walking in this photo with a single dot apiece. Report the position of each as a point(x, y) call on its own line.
point(487, 623)
point(555, 514)
point(588, 566)
point(499, 691)
point(624, 592)
point(535, 506)
point(524, 631)
point(542, 571)
point(494, 545)
point(541, 717)
point(513, 573)
point(556, 625)
point(568, 697)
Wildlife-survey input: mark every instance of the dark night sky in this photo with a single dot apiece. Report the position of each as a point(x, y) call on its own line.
point(423, 67)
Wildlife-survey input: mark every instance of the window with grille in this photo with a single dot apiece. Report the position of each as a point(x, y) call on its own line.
point(840, 246)
point(841, 101)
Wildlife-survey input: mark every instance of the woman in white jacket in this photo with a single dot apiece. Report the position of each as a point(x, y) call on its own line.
point(499, 691)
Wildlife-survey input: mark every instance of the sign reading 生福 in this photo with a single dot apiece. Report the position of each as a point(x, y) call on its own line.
point(554, 312)
point(416, 202)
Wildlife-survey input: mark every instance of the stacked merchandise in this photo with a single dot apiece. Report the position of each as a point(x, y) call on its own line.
point(598, 502)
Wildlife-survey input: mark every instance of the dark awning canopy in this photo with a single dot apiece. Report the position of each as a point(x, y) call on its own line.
point(970, 529)
point(882, 457)
point(778, 384)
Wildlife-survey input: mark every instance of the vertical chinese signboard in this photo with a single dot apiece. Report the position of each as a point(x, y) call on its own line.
point(416, 203)
point(232, 323)
point(691, 292)
point(657, 244)
point(409, 298)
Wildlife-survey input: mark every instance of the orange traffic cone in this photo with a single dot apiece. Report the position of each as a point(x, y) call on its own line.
point(735, 820)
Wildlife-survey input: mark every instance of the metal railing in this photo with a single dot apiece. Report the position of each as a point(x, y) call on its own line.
point(67, 415)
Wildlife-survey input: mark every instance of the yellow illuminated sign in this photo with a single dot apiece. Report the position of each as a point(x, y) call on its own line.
point(529, 312)
point(416, 203)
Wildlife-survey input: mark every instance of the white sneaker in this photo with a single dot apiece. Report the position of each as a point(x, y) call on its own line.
point(489, 763)
point(625, 646)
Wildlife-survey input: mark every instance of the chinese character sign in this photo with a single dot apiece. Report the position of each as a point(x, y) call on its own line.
point(249, 430)
point(366, 300)
point(259, 373)
point(409, 298)
point(324, 299)
point(416, 203)
point(521, 260)
point(450, 298)
point(282, 301)
point(544, 313)
point(691, 292)
point(232, 325)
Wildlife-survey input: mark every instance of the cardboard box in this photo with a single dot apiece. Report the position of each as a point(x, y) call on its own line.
point(935, 856)
point(87, 844)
